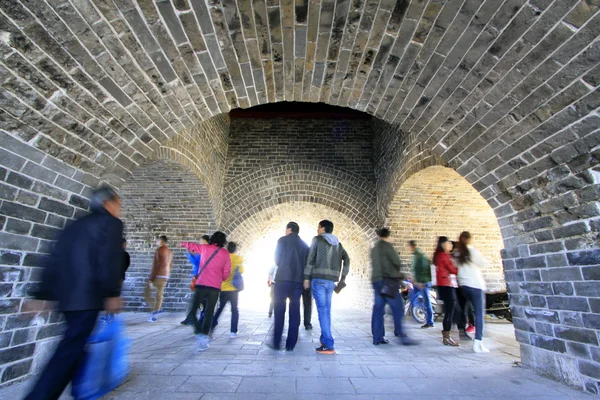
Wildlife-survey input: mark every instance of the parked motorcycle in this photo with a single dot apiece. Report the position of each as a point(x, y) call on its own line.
point(497, 303)
point(415, 306)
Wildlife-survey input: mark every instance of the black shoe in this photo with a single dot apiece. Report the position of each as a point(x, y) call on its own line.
point(187, 322)
point(384, 341)
point(427, 326)
point(289, 349)
point(270, 314)
point(324, 350)
point(308, 327)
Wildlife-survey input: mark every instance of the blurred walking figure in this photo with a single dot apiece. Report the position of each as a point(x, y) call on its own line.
point(161, 269)
point(386, 271)
point(83, 274)
point(229, 293)
point(126, 261)
point(194, 259)
point(323, 269)
point(290, 258)
point(422, 280)
point(464, 316)
point(470, 262)
point(446, 285)
point(214, 269)
point(271, 285)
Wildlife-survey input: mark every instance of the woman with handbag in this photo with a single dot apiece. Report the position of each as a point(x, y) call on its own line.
point(446, 285)
point(230, 290)
point(215, 267)
point(386, 278)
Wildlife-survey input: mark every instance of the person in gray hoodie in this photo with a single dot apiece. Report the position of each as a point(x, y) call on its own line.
point(322, 271)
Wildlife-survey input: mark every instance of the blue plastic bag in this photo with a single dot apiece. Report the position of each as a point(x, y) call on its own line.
point(106, 363)
point(194, 259)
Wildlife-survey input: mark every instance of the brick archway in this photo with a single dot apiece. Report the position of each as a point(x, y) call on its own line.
point(343, 191)
point(437, 201)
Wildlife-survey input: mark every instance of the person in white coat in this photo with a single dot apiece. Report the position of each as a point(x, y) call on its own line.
point(470, 263)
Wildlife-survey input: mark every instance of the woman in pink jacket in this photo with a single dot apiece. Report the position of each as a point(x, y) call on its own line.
point(215, 267)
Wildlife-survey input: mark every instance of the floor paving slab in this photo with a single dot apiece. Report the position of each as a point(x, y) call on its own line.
point(164, 365)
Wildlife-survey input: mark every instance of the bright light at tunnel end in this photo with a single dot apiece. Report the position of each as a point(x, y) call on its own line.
point(258, 259)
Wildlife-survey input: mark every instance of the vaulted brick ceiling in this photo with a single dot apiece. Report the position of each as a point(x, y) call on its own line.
point(102, 84)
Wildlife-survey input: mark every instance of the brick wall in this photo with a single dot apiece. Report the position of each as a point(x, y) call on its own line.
point(163, 198)
point(39, 194)
point(341, 144)
point(273, 162)
point(202, 149)
point(438, 202)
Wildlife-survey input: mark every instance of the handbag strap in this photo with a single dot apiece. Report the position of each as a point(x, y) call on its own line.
point(207, 262)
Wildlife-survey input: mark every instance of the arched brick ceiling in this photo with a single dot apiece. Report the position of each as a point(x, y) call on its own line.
point(342, 191)
point(101, 84)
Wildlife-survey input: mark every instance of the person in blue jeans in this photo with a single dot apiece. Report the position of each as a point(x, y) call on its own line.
point(422, 281)
point(327, 260)
point(386, 266)
point(470, 263)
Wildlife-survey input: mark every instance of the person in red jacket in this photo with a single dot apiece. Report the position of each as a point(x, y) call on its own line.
point(446, 285)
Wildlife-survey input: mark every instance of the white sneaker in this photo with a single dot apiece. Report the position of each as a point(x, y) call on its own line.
point(233, 335)
point(202, 341)
point(478, 347)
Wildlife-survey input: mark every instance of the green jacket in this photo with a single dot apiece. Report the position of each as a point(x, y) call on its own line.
point(421, 267)
point(385, 262)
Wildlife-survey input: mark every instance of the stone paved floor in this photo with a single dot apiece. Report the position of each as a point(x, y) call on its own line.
point(165, 366)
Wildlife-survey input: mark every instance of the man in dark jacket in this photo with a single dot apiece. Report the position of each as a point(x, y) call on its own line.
point(323, 268)
point(386, 265)
point(83, 274)
point(126, 261)
point(290, 257)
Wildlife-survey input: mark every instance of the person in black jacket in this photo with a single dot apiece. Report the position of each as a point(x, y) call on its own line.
point(290, 257)
point(83, 274)
point(126, 261)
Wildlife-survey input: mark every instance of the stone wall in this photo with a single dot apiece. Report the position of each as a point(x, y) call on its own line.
point(39, 195)
point(203, 149)
point(341, 144)
point(273, 162)
point(439, 202)
point(163, 198)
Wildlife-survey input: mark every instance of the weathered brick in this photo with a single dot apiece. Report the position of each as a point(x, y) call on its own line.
point(576, 335)
point(548, 343)
point(56, 207)
point(568, 303)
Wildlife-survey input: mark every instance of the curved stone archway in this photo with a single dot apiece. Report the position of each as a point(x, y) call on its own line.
point(437, 201)
point(340, 190)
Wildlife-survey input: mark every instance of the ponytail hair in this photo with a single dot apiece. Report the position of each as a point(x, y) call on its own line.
point(464, 255)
